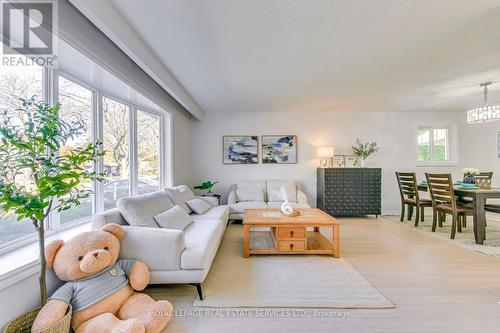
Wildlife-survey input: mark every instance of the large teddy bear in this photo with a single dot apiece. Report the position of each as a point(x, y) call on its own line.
point(101, 289)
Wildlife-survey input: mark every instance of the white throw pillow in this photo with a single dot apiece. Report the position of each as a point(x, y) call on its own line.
point(140, 210)
point(174, 218)
point(249, 194)
point(179, 195)
point(198, 205)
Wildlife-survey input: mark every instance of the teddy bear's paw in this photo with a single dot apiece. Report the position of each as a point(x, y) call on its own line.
point(108, 323)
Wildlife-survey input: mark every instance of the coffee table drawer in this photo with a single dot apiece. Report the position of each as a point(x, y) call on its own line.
point(291, 232)
point(291, 246)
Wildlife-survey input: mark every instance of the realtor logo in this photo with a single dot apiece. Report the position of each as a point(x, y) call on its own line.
point(28, 30)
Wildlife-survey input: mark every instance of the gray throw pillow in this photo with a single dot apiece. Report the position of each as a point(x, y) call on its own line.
point(198, 205)
point(174, 218)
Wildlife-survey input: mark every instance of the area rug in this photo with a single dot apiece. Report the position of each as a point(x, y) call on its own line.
point(465, 239)
point(295, 281)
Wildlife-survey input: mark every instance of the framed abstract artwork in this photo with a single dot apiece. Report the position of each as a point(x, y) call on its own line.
point(279, 149)
point(240, 149)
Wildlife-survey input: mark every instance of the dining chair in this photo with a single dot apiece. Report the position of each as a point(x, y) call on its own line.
point(410, 197)
point(444, 202)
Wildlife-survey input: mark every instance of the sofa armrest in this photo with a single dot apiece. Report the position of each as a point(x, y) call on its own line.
point(301, 197)
point(211, 200)
point(106, 217)
point(231, 199)
point(159, 248)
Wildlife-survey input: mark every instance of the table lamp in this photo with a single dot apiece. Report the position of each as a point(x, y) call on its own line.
point(326, 156)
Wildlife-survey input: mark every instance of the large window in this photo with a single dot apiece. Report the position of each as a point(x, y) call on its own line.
point(148, 151)
point(117, 147)
point(130, 133)
point(433, 144)
point(17, 82)
point(76, 105)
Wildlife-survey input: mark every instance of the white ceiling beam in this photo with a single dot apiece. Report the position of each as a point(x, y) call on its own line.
point(105, 16)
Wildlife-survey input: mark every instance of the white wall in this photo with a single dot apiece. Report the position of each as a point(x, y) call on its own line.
point(394, 132)
point(480, 147)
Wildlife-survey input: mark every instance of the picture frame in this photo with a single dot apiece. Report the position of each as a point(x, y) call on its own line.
point(240, 149)
point(339, 161)
point(279, 149)
point(352, 161)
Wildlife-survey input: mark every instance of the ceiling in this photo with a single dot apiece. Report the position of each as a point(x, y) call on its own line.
point(324, 55)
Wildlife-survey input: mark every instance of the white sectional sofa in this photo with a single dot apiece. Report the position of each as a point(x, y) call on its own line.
point(263, 194)
point(172, 255)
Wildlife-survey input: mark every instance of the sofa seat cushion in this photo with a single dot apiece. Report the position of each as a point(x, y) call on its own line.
point(141, 210)
point(274, 190)
point(214, 213)
point(240, 207)
point(179, 195)
point(295, 205)
point(202, 241)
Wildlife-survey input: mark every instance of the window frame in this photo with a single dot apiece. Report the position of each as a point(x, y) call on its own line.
point(451, 146)
point(50, 93)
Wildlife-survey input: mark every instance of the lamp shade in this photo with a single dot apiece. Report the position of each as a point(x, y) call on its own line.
point(325, 152)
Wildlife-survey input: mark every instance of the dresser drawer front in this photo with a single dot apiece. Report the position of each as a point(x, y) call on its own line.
point(291, 246)
point(291, 232)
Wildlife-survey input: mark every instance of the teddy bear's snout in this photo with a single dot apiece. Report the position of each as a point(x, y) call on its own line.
point(95, 261)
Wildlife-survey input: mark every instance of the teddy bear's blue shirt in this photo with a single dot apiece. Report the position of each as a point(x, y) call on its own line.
point(84, 293)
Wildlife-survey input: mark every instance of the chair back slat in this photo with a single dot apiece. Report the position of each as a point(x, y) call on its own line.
point(441, 189)
point(407, 182)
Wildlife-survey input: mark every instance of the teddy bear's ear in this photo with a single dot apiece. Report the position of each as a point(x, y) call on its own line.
point(51, 250)
point(114, 229)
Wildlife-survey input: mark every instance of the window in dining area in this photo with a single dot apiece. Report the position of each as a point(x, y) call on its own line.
point(433, 144)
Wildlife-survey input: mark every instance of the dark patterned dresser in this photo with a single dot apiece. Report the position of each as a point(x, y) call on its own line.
point(349, 191)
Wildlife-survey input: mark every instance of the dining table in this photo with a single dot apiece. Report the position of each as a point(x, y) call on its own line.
point(479, 197)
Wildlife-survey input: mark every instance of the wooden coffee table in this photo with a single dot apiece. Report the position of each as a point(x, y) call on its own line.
point(290, 235)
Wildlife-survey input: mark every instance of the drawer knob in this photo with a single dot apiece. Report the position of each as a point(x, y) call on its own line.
point(291, 247)
point(291, 233)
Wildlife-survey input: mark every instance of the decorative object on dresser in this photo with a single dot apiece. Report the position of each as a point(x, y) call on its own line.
point(290, 235)
point(326, 156)
point(349, 191)
point(364, 150)
point(353, 161)
point(240, 149)
point(279, 149)
point(470, 175)
point(339, 161)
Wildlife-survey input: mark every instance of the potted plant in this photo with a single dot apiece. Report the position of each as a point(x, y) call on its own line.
point(206, 186)
point(363, 150)
point(470, 175)
point(29, 146)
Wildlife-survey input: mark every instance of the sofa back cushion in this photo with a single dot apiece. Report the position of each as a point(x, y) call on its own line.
point(250, 194)
point(179, 195)
point(174, 218)
point(141, 210)
point(253, 184)
point(274, 190)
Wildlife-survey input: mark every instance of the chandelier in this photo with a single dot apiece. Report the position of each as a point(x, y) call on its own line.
point(486, 112)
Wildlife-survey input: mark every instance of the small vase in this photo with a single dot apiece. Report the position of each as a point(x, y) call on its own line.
point(362, 163)
point(469, 179)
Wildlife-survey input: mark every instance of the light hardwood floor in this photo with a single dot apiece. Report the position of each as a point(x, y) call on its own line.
point(435, 285)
